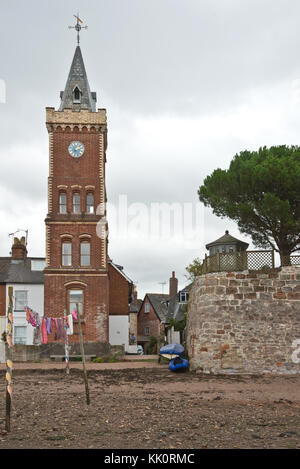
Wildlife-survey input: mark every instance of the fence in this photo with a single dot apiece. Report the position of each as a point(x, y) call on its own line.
point(244, 260)
point(238, 260)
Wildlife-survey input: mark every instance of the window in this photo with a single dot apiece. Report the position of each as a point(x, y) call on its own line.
point(62, 202)
point(20, 335)
point(85, 253)
point(75, 298)
point(147, 330)
point(38, 264)
point(90, 203)
point(66, 253)
point(147, 308)
point(21, 300)
point(76, 203)
point(76, 95)
point(183, 297)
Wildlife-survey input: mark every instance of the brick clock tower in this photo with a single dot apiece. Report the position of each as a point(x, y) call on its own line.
point(76, 257)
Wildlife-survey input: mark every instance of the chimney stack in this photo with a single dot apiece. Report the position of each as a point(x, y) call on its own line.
point(173, 288)
point(18, 249)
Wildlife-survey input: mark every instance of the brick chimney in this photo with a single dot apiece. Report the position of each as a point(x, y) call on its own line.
point(18, 249)
point(173, 288)
point(135, 295)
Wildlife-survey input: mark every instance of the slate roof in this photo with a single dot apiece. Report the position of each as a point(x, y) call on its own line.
point(78, 77)
point(19, 271)
point(159, 303)
point(227, 239)
point(176, 310)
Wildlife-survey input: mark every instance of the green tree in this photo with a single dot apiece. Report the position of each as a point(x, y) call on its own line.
point(194, 269)
point(261, 192)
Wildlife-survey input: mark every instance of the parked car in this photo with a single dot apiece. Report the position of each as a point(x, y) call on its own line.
point(140, 350)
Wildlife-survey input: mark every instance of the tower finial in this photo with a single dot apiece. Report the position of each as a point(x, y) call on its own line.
point(78, 27)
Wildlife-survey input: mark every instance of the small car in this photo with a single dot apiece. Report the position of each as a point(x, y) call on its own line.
point(140, 350)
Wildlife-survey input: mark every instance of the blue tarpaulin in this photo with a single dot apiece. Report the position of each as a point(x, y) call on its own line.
point(172, 349)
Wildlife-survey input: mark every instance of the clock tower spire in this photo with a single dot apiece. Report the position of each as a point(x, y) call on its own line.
point(76, 257)
point(77, 94)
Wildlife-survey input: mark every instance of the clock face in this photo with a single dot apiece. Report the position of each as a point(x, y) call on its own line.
point(76, 149)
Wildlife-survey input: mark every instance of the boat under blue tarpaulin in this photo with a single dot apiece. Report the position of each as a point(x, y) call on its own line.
point(172, 349)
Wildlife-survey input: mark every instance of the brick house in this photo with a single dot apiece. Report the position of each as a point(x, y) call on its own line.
point(25, 275)
point(156, 311)
point(152, 317)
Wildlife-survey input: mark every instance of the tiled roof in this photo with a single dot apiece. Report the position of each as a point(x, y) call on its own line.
point(226, 239)
point(19, 271)
point(159, 303)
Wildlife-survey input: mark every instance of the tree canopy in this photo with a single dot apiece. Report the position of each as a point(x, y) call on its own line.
point(261, 192)
point(194, 269)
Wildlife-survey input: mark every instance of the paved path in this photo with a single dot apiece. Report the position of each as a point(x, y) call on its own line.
point(131, 362)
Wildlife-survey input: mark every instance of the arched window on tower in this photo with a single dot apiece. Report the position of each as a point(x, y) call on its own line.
point(90, 202)
point(66, 253)
point(62, 202)
point(76, 202)
point(76, 95)
point(85, 253)
point(75, 301)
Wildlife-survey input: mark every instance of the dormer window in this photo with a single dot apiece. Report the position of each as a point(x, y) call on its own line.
point(183, 297)
point(76, 95)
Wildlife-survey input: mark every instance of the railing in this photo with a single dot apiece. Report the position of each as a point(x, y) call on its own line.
point(295, 260)
point(238, 260)
point(244, 260)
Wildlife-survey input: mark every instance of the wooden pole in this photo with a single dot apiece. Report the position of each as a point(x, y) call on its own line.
point(67, 348)
point(8, 356)
point(83, 358)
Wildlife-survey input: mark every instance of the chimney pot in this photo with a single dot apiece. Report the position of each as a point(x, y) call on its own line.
point(173, 285)
point(18, 249)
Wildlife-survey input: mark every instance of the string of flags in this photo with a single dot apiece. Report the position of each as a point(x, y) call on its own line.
point(62, 326)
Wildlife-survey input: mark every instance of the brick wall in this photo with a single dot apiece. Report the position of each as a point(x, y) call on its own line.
point(245, 322)
point(95, 301)
point(148, 320)
point(119, 289)
point(77, 175)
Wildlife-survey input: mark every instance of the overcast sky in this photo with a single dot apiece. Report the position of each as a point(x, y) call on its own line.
point(187, 84)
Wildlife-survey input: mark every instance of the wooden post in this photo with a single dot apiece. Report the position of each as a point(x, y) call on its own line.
point(218, 266)
point(67, 348)
point(8, 356)
point(83, 357)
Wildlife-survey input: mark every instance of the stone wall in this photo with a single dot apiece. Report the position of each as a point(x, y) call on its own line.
point(245, 322)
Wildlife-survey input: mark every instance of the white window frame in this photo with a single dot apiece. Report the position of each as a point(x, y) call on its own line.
point(184, 295)
point(147, 307)
point(25, 302)
point(24, 337)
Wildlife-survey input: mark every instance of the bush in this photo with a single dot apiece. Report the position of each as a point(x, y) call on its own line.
point(98, 360)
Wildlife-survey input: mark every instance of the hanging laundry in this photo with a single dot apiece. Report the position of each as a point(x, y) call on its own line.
point(44, 331)
point(27, 313)
point(70, 327)
point(32, 320)
point(37, 335)
point(54, 323)
point(48, 325)
point(75, 315)
point(60, 330)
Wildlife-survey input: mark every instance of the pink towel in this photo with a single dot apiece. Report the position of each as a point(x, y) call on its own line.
point(44, 332)
point(74, 314)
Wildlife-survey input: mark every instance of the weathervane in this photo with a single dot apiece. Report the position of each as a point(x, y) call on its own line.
point(78, 27)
